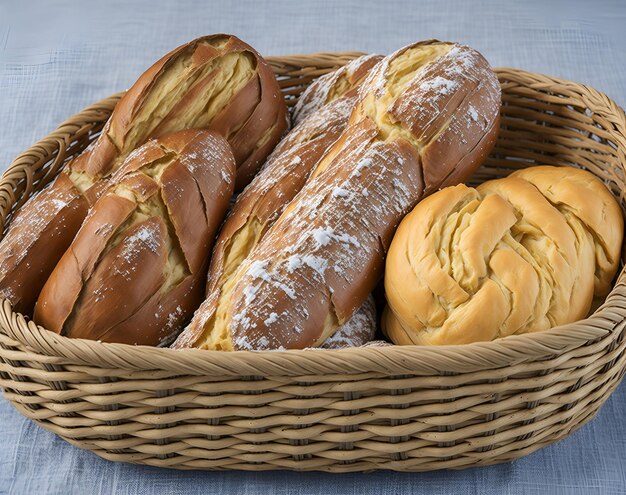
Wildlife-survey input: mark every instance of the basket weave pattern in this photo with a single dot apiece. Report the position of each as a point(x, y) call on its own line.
point(402, 408)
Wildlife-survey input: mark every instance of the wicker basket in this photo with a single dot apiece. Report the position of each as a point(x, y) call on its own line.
point(402, 408)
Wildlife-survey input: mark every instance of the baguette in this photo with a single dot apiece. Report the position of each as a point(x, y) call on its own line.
point(282, 177)
point(215, 82)
point(426, 117)
point(136, 270)
point(37, 238)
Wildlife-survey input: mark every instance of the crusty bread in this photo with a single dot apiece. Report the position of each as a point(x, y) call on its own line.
point(332, 86)
point(516, 255)
point(426, 116)
point(215, 82)
point(281, 178)
point(357, 331)
point(136, 270)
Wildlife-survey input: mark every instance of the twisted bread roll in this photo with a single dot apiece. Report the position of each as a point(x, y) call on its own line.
point(282, 177)
point(427, 115)
point(215, 82)
point(519, 254)
point(332, 86)
point(136, 270)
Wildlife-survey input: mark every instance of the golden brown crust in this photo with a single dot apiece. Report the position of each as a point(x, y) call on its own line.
point(278, 182)
point(515, 255)
point(450, 109)
point(310, 268)
point(136, 269)
point(217, 82)
point(573, 189)
point(318, 262)
point(63, 287)
point(284, 175)
point(42, 230)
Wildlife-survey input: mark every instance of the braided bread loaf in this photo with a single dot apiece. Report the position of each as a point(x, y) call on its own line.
point(515, 255)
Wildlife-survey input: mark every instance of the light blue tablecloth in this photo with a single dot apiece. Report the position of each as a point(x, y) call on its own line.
point(57, 57)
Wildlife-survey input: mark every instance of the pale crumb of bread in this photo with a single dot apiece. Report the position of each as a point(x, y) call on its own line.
point(173, 84)
point(357, 331)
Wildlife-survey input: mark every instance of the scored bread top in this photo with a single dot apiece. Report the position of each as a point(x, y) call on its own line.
point(217, 82)
point(444, 99)
point(516, 255)
point(332, 86)
point(320, 260)
point(136, 270)
point(284, 174)
point(426, 116)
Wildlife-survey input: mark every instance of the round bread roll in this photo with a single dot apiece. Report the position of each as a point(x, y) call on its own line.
point(516, 255)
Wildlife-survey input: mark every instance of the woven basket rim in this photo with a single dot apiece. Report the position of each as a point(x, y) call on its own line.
point(415, 360)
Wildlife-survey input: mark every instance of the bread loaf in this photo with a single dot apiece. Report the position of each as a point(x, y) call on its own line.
point(426, 116)
point(37, 238)
point(136, 270)
point(333, 86)
point(516, 255)
point(215, 82)
point(281, 178)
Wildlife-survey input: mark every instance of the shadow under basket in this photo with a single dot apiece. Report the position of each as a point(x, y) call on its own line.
point(408, 408)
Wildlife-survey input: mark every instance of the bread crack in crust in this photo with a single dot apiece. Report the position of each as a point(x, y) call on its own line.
point(424, 116)
point(216, 82)
point(333, 86)
point(137, 268)
point(515, 255)
point(357, 331)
